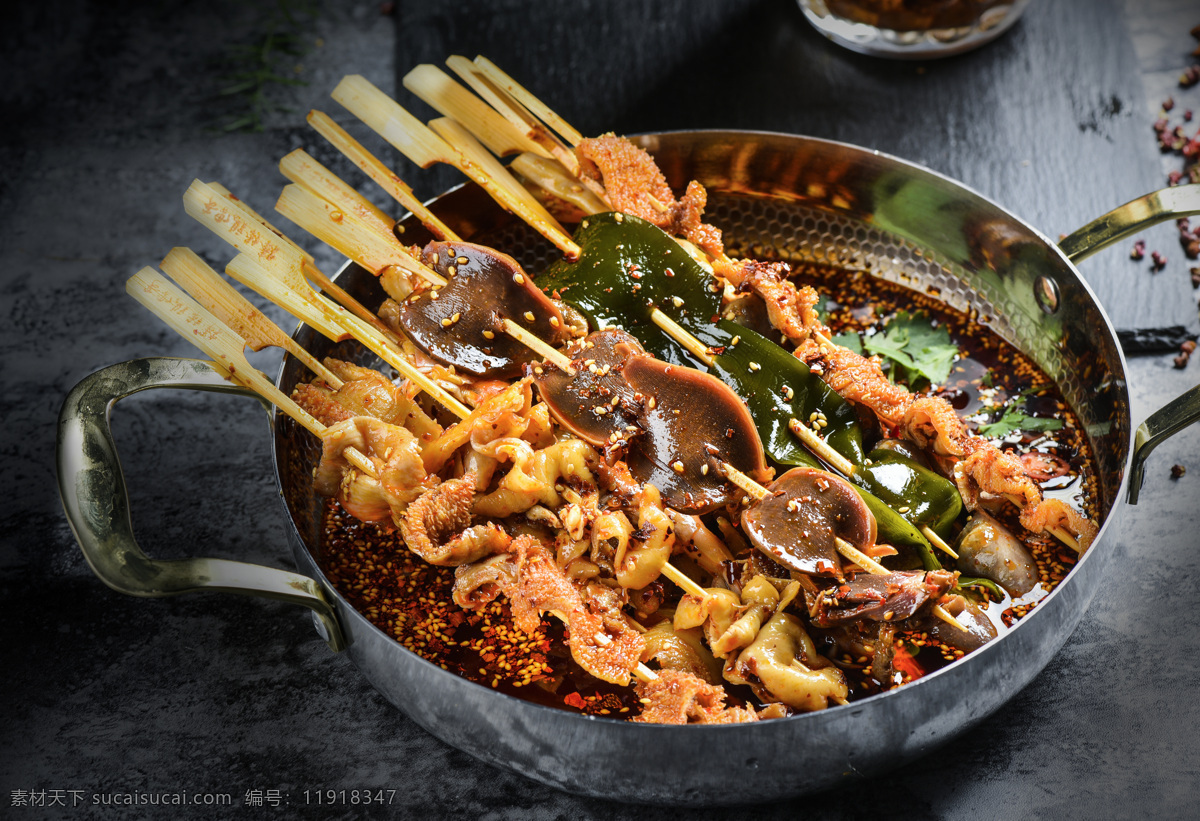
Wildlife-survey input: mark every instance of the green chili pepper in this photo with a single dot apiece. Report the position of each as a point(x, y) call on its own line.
point(990, 586)
point(777, 387)
point(931, 499)
point(626, 268)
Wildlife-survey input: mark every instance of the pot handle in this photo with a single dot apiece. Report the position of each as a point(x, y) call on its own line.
point(1127, 219)
point(94, 496)
point(1167, 420)
point(1116, 225)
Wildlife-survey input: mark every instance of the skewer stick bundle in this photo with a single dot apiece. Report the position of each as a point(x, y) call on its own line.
point(421, 145)
point(364, 242)
point(306, 305)
point(508, 107)
point(222, 300)
point(186, 317)
point(384, 177)
point(539, 109)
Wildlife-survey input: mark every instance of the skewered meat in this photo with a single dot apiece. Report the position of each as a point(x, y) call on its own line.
point(364, 392)
point(673, 649)
point(542, 586)
point(678, 697)
point(782, 664)
point(808, 510)
point(460, 323)
point(400, 476)
point(891, 597)
point(635, 185)
point(437, 526)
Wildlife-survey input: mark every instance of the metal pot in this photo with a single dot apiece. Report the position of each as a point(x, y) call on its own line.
point(808, 199)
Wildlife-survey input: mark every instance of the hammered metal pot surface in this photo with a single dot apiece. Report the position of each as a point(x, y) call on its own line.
point(804, 200)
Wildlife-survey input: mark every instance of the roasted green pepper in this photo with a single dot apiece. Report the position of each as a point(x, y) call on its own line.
point(628, 267)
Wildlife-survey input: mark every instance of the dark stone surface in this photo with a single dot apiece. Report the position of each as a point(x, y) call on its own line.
point(107, 115)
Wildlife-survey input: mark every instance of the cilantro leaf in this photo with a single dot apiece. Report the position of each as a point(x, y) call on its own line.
point(912, 342)
point(1014, 419)
point(851, 341)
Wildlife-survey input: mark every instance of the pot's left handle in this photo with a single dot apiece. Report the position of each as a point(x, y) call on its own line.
point(96, 501)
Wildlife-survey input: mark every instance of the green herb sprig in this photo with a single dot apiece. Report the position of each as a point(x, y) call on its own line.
point(915, 348)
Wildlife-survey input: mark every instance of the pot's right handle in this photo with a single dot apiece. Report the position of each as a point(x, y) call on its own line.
point(1128, 219)
point(1167, 420)
point(1116, 225)
point(97, 503)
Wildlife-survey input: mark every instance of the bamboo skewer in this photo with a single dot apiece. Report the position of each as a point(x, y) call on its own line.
point(451, 100)
point(758, 493)
point(384, 177)
point(362, 242)
point(421, 145)
point(535, 106)
point(301, 168)
point(191, 321)
point(223, 301)
point(223, 191)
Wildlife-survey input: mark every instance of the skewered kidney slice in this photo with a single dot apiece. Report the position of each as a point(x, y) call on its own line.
point(797, 526)
point(693, 423)
point(460, 324)
point(596, 402)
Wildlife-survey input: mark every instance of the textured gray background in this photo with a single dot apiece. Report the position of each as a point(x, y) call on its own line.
point(109, 115)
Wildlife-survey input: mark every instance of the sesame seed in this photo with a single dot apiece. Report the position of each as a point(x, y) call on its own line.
point(733, 342)
point(529, 316)
point(788, 393)
point(463, 260)
point(435, 258)
point(677, 466)
point(677, 302)
point(489, 335)
point(754, 366)
point(554, 323)
point(433, 294)
point(451, 270)
point(619, 217)
point(519, 279)
point(704, 469)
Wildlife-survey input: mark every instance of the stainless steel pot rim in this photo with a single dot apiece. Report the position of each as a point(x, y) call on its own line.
point(913, 689)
